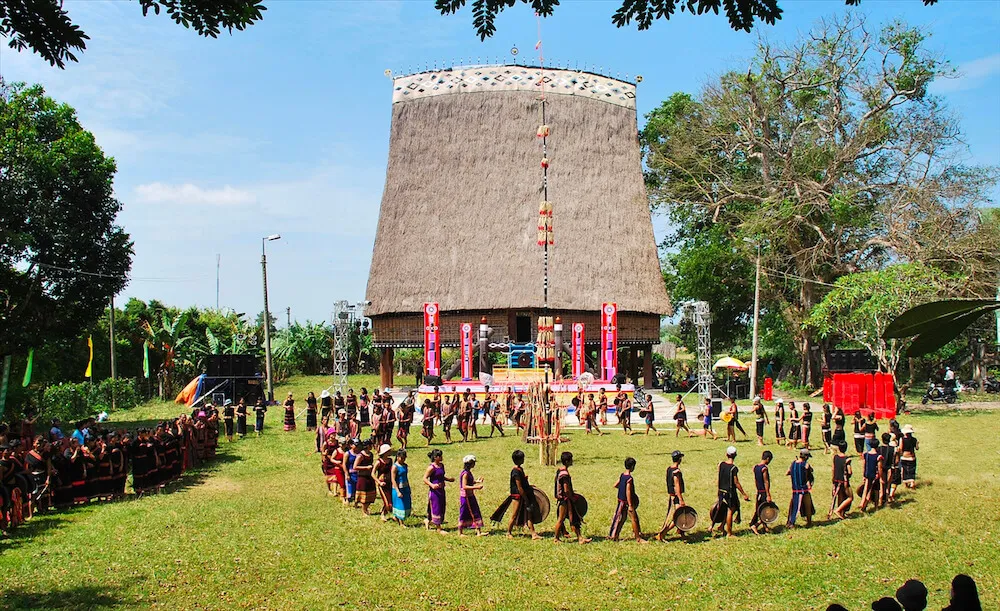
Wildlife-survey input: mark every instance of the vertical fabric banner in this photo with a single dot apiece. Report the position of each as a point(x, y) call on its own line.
point(579, 364)
point(466, 351)
point(609, 341)
point(432, 343)
point(145, 359)
point(90, 363)
point(3, 384)
point(28, 368)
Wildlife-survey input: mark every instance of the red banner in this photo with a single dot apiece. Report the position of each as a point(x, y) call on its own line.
point(609, 341)
point(578, 352)
point(432, 340)
point(466, 351)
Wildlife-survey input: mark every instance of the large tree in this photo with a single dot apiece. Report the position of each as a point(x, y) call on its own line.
point(829, 153)
point(62, 257)
point(741, 14)
point(45, 27)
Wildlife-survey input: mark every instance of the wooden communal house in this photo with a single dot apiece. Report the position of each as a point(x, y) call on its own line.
point(460, 210)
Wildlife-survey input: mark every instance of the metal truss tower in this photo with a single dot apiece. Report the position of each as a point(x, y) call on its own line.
point(702, 324)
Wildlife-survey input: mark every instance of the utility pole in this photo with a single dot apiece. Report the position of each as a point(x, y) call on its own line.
point(111, 328)
point(756, 320)
point(288, 316)
point(267, 316)
point(218, 261)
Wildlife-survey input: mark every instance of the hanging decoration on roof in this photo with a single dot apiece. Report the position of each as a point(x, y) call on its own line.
point(543, 131)
point(545, 344)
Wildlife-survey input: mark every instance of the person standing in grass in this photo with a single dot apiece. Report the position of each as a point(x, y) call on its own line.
point(339, 451)
point(323, 433)
point(825, 428)
point(448, 416)
point(406, 410)
point(383, 480)
point(228, 413)
point(259, 409)
point(801, 474)
point(565, 497)
point(843, 495)
point(289, 406)
point(435, 479)
point(650, 416)
point(728, 503)
point(350, 458)
point(908, 457)
point(325, 404)
point(363, 466)
point(806, 425)
point(675, 493)
point(628, 504)
point(330, 467)
point(871, 431)
point(838, 427)
point(858, 422)
point(241, 418)
point(427, 421)
point(888, 478)
point(681, 417)
point(794, 420)
point(706, 419)
point(779, 422)
point(872, 472)
point(311, 411)
point(762, 481)
point(602, 406)
point(732, 412)
point(623, 406)
point(469, 515)
point(402, 504)
point(521, 497)
point(760, 419)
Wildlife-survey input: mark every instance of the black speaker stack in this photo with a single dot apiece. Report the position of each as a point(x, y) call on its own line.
point(232, 366)
point(850, 361)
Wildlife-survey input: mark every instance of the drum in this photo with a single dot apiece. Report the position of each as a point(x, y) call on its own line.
point(580, 505)
point(685, 518)
point(717, 513)
point(643, 413)
point(727, 417)
point(542, 506)
point(768, 513)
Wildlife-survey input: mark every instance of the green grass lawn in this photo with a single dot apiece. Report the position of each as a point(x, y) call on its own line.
point(256, 529)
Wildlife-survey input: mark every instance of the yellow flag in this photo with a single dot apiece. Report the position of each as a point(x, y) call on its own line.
point(90, 363)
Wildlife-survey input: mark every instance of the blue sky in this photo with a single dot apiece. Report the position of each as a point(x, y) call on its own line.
point(284, 128)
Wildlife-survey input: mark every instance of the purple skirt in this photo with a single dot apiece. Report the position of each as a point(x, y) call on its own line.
point(436, 506)
point(469, 515)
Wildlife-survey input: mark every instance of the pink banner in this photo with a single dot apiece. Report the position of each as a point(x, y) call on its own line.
point(466, 351)
point(609, 341)
point(579, 360)
point(432, 340)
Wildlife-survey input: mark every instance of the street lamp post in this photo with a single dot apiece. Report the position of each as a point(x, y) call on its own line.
point(267, 315)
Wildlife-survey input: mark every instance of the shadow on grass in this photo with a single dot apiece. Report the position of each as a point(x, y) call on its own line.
point(34, 527)
point(81, 597)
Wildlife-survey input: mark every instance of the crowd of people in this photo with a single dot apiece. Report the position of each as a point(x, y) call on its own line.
point(912, 596)
point(59, 468)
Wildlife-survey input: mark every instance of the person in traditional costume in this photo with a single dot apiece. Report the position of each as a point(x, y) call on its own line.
point(448, 411)
point(675, 493)
point(469, 515)
point(565, 498)
point(521, 500)
point(325, 404)
point(728, 503)
point(706, 420)
point(889, 477)
point(383, 480)
point(311, 411)
point(427, 421)
point(351, 404)
point(628, 504)
point(402, 503)
point(330, 468)
point(364, 407)
point(338, 402)
point(843, 495)
point(680, 417)
point(760, 419)
point(872, 471)
point(241, 418)
point(908, 457)
point(794, 421)
point(340, 448)
point(838, 420)
point(762, 481)
point(825, 425)
point(779, 422)
point(732, 412)
point(435, 479)
point(806, 426)
point(602, 406)
point(406, 411)
point(289, 406)
point(623, 408)
point(324, 433)
point(363, 466)
point(259, 410)
point(350, 458)
point(228, 416)
point(495, 414)
point(871, 431)
point(858, 423)
point(800, 472)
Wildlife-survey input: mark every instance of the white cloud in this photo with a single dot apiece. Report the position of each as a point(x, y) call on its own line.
point(160, 193)
point(970, 75)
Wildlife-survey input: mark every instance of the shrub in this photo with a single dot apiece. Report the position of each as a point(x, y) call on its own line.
point(71, 402)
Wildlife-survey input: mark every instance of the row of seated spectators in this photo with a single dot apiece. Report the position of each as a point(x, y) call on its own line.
point(58, 470)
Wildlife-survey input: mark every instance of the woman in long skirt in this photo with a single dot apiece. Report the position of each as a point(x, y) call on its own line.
point(259, 410)
point(351, 476)
point(289, 405)
point(310, 412)
point(383, 480)
point(435, 479)
point(402, 503)
point(363, 466)
point(228, 413)
point(469, 515)
point(241, 419)
point(330, 467)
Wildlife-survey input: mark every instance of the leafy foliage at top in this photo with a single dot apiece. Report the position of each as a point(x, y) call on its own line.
point(741, 14)
point(45, 27)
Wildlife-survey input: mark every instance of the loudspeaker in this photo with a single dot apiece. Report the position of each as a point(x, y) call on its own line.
point(217, 366)
point(850, 360)
point(716, 408)
point(432, 380)
point(620, 378)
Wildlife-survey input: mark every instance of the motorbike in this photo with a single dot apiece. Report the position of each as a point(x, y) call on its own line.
point(939, 394)
point(991, 385)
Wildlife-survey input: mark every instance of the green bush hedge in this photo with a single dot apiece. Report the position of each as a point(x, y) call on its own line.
point(71, 402)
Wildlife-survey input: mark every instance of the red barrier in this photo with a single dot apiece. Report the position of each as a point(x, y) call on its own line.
point(768, 389)
point(827, 389)
point(862, 391)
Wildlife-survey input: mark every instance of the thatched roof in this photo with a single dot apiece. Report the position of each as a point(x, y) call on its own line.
point(460, 207)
